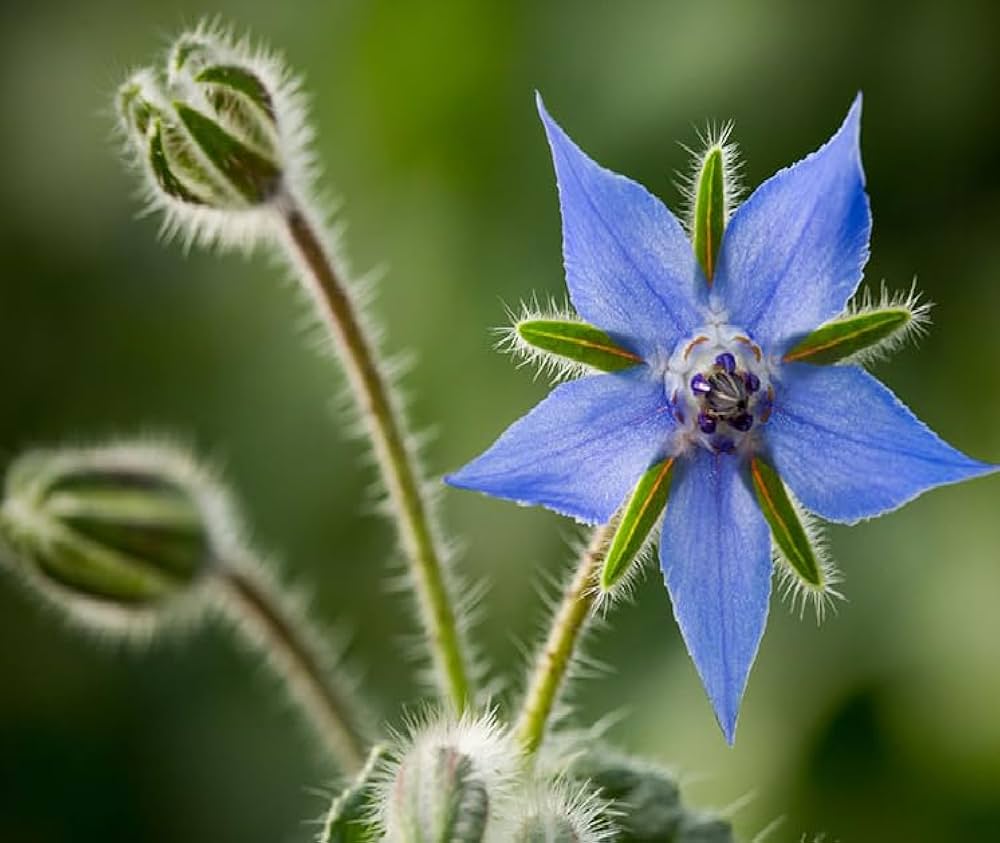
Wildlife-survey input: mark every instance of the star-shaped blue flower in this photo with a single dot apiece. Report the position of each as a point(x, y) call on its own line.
point(714, 391)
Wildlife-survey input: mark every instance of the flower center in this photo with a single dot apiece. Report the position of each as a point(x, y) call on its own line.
point(720, 389)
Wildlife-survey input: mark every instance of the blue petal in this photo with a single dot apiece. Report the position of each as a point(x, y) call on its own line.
point(581, 450)
point(630, 267)
point(794, 252)
point(849, 449)
point(716, 558)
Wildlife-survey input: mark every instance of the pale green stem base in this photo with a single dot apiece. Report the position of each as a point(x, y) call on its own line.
point(553, 663)
point(395, 460)
point(293, 649)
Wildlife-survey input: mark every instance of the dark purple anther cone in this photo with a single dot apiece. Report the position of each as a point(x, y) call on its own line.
point(752, 382)
point(723, 445)
point(706, 424)
point(742, 423)
point(726, 361)
point(699, 385)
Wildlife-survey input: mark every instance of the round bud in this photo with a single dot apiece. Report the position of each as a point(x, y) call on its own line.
point(561, 813)
point(446, 781)
point(217, 129)
point(114, 533)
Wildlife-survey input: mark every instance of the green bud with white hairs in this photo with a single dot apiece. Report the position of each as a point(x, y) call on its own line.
point(114, 533)
point(219, 133)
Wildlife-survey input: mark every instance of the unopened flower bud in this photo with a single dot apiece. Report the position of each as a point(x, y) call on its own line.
point(206, 129)
point(114, 532)
point(559, 813)
point(446, 781)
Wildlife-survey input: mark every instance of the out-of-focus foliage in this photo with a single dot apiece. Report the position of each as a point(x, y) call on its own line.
point(880, 726)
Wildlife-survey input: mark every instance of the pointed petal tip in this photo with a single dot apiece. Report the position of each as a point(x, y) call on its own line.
point(727, 712)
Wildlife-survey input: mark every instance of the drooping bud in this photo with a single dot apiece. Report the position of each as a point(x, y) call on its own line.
point(350, 818)
point(867, 331)
point(116, 532)
point(637, 520)
point(208, 130)
point(805, 568)
point(560, 813)
point(446, 782)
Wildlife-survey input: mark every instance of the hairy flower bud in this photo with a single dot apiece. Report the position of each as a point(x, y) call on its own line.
point(217, 131)
point(560, 813)
point(115, 532)
point(446, 782)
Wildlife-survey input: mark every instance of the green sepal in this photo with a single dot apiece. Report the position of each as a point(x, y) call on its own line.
point(160, 166)
point(467, 803)
point(250, 174)
point(837, 340)
point(87, 569)
point(576, 341)
point(786, 526)
point(350, 818)
point(242, 81)
point(709, 211)
point(637, 519)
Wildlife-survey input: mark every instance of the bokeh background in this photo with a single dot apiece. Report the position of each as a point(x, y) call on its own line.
point(881, 725)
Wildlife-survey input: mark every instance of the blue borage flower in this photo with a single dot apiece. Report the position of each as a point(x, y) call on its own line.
point(715, 390)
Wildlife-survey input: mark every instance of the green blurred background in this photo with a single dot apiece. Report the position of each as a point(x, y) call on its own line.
point(881, 725)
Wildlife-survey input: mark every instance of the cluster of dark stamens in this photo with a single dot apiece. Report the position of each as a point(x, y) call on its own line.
point(723, 395)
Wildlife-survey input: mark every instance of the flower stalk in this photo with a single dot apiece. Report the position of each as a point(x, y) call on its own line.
point(395, 459)
point(553, 664)
point(296, 653)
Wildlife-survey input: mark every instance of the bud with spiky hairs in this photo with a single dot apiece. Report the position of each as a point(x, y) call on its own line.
point(559, 812)
point(218, 133)
point(447, 781)
point(114, 534)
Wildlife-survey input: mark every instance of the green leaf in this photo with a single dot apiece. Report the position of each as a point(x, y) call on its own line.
point(252, 175)
point(638, 518)
point(709, 211)
point(576, 341)
point(647, 799)
point(704, 829)
point(841, 338)
point(349, 819)
point(786, 527)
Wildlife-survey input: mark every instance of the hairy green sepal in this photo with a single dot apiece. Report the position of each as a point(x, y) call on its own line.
point(709, 211)
point(638, 518)
point(250, 174)
point(842, 338)
point(349, 819)
point(240, 80)
point(576, 341)
point(786, 526)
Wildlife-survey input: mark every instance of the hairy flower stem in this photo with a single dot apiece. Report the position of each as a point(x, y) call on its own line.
point(297, 654)
point(571, 619)
point(397, 463)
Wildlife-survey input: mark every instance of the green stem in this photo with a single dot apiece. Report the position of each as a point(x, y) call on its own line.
point(385, 427)
point(296, 652)
point(552, 666)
